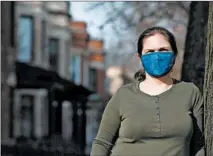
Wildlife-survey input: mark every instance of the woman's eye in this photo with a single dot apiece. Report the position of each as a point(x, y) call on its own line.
point(149, 52)
point(163, 50)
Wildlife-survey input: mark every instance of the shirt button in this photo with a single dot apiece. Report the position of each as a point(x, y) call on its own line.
point(155, 129)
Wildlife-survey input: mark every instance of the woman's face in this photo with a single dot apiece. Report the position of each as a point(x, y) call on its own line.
point(154, 43)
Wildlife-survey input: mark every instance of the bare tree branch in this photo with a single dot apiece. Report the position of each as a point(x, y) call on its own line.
point(95, 5)
point(183, 5)
point(141, 8)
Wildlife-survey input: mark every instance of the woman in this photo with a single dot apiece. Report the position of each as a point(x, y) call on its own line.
point(156, 116)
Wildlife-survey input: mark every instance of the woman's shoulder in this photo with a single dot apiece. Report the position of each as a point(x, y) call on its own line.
point(128, 87)
point(186, 85)
point(189, 88)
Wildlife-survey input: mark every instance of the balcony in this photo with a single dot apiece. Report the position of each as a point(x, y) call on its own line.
point(58, 20)
point(57, 7)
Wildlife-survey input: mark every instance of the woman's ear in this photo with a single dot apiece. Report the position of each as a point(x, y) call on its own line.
point(138, 57)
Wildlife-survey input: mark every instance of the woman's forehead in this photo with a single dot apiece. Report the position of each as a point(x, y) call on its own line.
point(155, 41)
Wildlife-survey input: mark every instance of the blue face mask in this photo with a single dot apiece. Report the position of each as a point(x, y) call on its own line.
point(158, 64)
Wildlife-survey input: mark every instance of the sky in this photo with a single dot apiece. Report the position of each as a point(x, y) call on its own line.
point(93, 19)
point(78, 13)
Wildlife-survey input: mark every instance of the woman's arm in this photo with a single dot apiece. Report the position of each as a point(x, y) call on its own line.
point(197, 142)
point(109, 126)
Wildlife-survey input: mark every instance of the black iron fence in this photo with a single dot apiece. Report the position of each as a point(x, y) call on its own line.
point(26, 151)
point(29, 151)
point(54, 146)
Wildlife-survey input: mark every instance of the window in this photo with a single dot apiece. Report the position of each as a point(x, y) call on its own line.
point(93, 79)
point(53, 53)
point(25, 39)
point(70, 68)
point(75, 69)
point(43, 41)
point(26, 112)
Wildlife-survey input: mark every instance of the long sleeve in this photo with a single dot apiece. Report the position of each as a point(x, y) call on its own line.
point(108, 128)
point(197, 142)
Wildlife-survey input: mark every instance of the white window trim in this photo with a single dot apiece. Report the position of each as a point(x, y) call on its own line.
point(38, 95)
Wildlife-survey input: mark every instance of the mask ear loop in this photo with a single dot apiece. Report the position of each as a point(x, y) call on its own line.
point(140, 75)
point(172, 71)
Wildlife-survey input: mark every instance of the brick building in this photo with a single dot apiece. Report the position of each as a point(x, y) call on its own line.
point(88, 58)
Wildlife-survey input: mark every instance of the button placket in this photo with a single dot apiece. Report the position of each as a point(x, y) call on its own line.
point(158, 126)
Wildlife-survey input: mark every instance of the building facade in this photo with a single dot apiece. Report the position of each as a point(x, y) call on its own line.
point(87, 56)
point(8, 55)
point(44, 101)
point(41, 42)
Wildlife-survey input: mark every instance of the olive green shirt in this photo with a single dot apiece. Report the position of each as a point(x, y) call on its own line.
point(137, 124)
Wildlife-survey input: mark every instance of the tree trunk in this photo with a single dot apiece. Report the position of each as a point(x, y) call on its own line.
point(194, 57)
point(208, 85)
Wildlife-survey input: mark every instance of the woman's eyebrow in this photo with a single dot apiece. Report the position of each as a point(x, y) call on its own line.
point(165, 48)
point(158, 49)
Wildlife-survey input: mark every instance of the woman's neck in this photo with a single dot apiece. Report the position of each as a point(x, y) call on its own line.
point(165, 80)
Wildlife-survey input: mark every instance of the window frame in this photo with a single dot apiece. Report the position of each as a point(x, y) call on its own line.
point(44, 50)
point(12, 29)
point(39, 96)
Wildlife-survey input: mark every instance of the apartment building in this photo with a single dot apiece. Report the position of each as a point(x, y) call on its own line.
point(44, 100)
point(98, 100)
point(78, 70)
point(88, 57)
